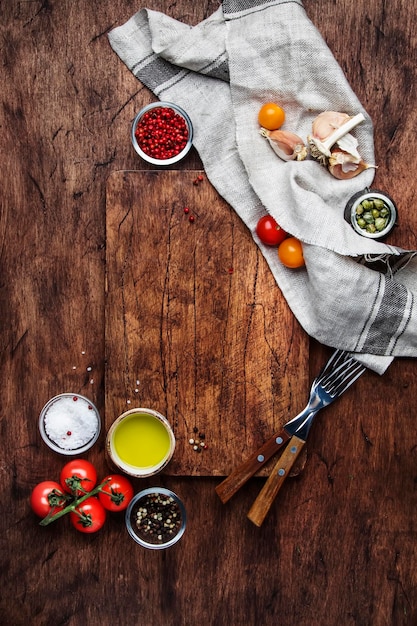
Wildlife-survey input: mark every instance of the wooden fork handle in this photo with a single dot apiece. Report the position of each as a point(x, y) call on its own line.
point(241, 474)
point(268, 493)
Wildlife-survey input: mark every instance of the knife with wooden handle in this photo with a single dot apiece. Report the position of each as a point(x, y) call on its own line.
point(241, 474)
point(341, 371)
point(339, 374)
point(275, 481)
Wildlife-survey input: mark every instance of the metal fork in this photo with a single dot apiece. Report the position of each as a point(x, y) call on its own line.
point(339, 373)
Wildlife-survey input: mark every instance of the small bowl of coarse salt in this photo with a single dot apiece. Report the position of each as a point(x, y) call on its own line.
point(69, 424)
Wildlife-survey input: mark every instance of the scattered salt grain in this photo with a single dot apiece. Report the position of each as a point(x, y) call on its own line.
point(71, 422)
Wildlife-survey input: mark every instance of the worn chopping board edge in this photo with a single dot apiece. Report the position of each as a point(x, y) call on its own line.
point(196, 327)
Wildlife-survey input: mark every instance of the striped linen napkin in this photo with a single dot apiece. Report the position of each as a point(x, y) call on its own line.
point(221, 72)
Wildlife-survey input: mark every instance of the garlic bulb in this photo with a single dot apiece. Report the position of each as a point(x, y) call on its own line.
point(329, 128)
point(287, 145)
point(330, 143)
point(343, 165)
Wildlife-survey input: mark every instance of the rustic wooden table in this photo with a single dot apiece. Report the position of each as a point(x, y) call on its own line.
point(338, 547)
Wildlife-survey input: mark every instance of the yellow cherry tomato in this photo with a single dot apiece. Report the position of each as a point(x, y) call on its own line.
point(290, 253)
point(271, 116)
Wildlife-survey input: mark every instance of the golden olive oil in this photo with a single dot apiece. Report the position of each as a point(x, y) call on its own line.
point(141, 440)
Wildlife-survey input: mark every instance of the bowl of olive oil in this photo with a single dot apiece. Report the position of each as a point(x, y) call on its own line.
point(140, 442)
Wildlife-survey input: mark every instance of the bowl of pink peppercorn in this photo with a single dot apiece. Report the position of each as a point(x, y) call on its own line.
point(162, 133)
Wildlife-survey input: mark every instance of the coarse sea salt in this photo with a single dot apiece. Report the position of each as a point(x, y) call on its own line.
point(71, 422)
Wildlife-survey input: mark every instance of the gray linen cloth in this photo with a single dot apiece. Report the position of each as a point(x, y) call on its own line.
point(221, 72)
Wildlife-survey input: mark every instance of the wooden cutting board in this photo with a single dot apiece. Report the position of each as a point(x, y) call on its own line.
point(196, 327)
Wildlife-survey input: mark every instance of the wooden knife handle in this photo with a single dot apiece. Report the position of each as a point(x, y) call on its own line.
point(241, 474)
point(275, 481)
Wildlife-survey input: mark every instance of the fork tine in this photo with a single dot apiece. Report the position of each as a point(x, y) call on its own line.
point(340, 362)
point(356, 371)
point(340, 379)
point(337, 362)
point(342, 366)
point(332, 362)
point(339, 374)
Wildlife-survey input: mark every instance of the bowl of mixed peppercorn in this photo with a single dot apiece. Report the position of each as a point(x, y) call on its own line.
point(156, 518)
point(162, 133)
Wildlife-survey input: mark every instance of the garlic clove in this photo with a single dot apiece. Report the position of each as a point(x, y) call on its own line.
point(287, 145)
point(349, 144)
point(343, 165)
point(327, 122)
point(341, 157)
point(337, 125)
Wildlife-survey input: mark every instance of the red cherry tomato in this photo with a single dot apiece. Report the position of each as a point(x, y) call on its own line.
point(78, 477)
point(269, 232)
point(47, 497)
point(89, 516)
point(116, 494)
point(290, 253)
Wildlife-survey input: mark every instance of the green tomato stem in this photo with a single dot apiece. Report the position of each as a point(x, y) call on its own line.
point(71, 507)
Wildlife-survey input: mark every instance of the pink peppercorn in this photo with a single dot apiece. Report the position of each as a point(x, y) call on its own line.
point(162, 133)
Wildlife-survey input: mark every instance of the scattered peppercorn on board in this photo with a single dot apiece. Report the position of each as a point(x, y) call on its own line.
point(196, 327)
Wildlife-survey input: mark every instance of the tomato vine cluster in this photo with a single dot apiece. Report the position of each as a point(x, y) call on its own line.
point(78, 495)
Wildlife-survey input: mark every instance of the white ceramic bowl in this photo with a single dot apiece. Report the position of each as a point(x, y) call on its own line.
point(69, 424)
point(149, 110)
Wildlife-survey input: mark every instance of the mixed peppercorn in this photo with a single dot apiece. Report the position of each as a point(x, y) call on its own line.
point(198, 440)
point(157, 518)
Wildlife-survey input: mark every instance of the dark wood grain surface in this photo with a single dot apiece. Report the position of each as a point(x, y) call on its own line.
point(195, 327)
point(338, 546)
